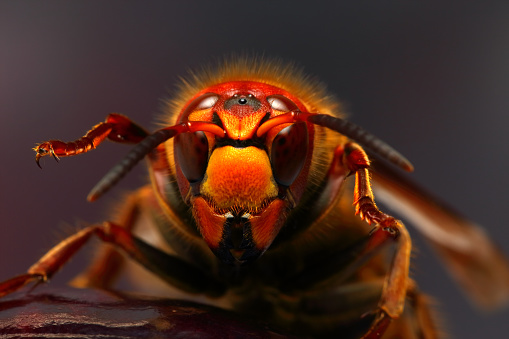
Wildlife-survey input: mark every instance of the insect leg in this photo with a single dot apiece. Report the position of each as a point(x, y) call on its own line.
point(173, 270)
point(116, 128)
point(418, 320)
point(50, 263)
point(387, 230)
point(107, 264)
point(426, 321)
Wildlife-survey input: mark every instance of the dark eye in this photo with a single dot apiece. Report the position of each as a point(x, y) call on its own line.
point(281, 103)
point(288, 153)
point(191, 154)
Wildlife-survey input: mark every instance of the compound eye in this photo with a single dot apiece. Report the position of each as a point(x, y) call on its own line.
point(191, 154)
point(281, 103)
point(288, 153)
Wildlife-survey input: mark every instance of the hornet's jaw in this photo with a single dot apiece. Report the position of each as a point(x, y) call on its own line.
point(239, 239)
point(237, 207)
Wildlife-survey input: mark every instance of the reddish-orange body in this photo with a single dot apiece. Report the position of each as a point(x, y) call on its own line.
point(247, 201)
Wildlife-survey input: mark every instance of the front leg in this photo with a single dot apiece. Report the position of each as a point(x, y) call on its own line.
point(172, 269)
point(116, 128)
point(387, 230)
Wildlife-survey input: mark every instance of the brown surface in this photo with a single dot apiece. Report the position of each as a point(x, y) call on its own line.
point(80, 313)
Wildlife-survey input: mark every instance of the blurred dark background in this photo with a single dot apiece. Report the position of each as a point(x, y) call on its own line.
point(430, 78)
